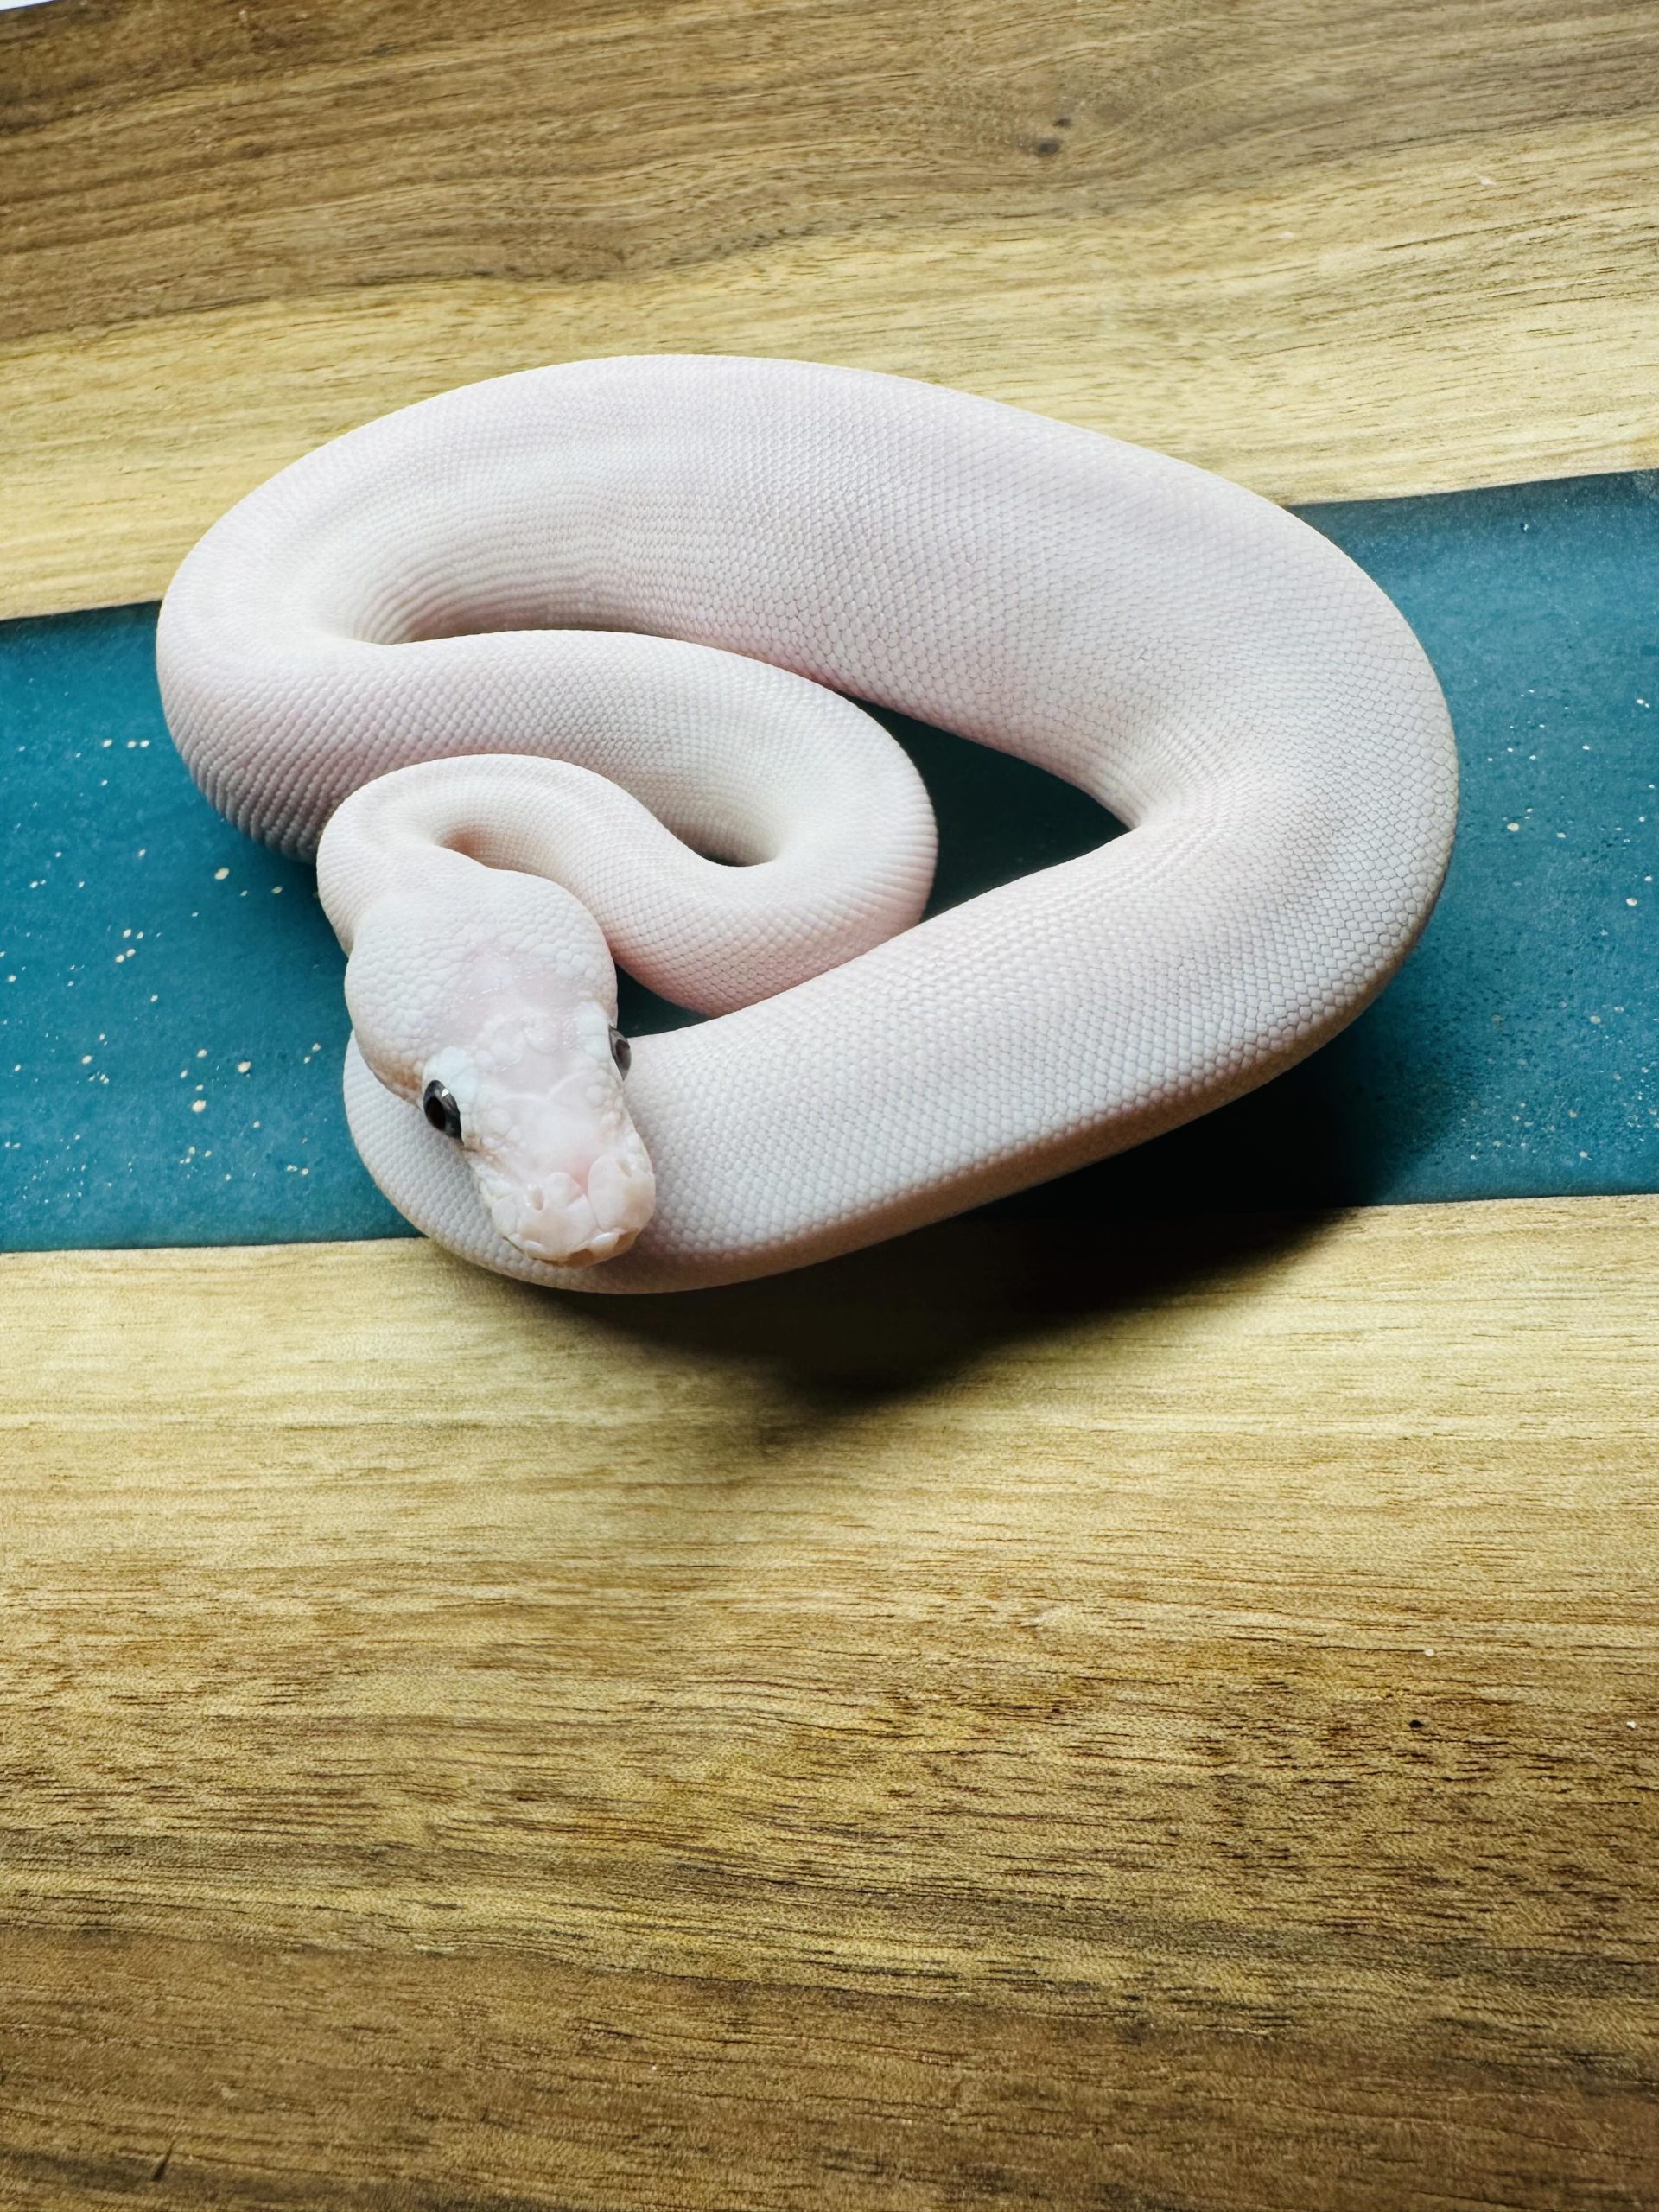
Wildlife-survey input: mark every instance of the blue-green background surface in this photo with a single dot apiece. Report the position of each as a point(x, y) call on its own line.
point(171, 1021)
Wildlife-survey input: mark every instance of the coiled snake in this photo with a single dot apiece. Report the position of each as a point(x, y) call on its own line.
point(564, 663)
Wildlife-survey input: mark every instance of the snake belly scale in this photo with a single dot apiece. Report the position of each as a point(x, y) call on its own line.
point(563, 665)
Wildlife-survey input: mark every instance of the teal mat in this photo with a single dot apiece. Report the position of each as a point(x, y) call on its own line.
point(171, 1022)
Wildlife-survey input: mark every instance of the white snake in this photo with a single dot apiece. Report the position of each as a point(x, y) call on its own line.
point(595, 619)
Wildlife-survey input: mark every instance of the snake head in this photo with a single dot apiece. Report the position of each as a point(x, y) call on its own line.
point(491, 1003)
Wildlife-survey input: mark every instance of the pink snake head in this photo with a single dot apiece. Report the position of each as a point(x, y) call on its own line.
point(490, 1004)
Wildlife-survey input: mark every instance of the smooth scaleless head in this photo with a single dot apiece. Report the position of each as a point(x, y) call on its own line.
point(490, 1002)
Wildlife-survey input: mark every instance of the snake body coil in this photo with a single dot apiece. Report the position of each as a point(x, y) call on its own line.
point(599, 619)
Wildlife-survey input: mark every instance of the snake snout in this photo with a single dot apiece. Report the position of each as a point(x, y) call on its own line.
point(569, 1223)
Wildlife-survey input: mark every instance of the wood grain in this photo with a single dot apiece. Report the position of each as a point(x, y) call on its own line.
point(989, 1722)
point(1329, 248)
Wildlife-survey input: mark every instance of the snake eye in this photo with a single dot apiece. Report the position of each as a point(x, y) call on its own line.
point(441, 1110)
point(621, 1050)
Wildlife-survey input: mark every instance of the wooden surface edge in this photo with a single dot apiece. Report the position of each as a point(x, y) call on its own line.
point(1303, 359)
point(1021, 1268)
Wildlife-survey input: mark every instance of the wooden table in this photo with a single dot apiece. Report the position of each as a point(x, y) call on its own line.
point(997, 1721)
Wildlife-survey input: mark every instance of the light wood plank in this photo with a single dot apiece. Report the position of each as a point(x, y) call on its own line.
point(991, 1721)
point(1328, 249)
